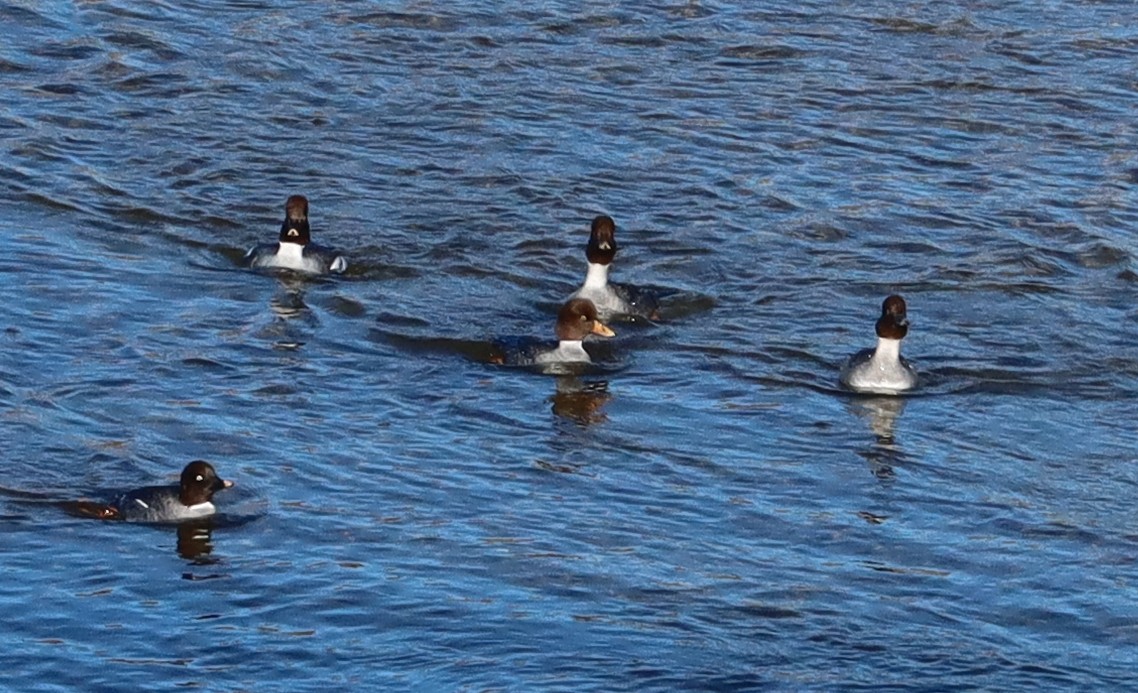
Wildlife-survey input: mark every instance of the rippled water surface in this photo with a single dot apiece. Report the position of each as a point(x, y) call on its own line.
point(704, 510)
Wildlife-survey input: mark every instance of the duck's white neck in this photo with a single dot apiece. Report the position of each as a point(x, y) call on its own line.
point(568, 350)
point(572, 350)
point(887, 351)
point(597, 277)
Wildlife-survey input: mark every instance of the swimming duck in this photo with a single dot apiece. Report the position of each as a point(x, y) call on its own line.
point(610, 298)
point(576, 320)
point(295, 249)
point(190, 499)
point(882, 369)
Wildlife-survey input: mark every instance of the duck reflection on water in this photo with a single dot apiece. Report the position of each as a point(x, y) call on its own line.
point(194, 538)
point(881, 413)
point(290, 314)
point(195, 541)
point(580, 401)
point(289, 303)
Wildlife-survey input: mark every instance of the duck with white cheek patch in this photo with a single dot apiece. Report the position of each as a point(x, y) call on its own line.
point(882, 370)
point(295, 249)
point(190, 499)
point(612, 299)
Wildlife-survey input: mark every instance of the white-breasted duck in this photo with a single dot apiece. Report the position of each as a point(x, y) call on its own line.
point(883, 370)
point(191, 498)
point(576, 320)
point(295, 249)
point(611, 299)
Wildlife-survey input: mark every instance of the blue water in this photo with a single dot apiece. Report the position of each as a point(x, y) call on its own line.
point(704, 510)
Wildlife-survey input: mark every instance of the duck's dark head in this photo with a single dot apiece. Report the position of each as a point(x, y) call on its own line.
point(199, 482)
point(578, 319)
point(602, 241)
point(893, 323)
point(295, 227)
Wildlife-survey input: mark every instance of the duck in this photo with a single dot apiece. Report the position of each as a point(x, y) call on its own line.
point(882, 370)
point(191, 498)
point(576, 320)
point(295, 249)
point(612, 300)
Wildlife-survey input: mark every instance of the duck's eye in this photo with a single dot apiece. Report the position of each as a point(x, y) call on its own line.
point(199, 477)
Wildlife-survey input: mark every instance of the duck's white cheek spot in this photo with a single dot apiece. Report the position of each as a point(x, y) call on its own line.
point(198, 477)
point(141, 502)
point(293, 233)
